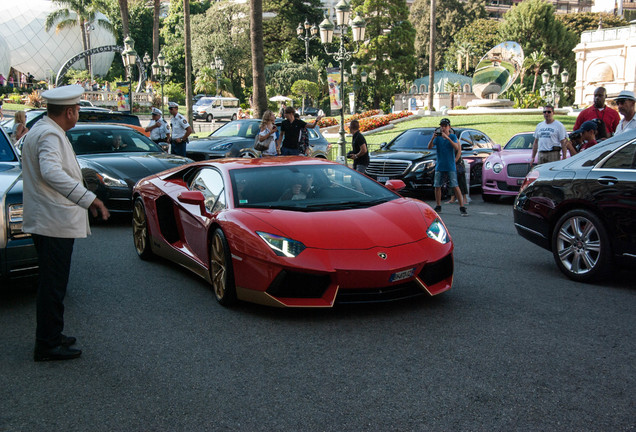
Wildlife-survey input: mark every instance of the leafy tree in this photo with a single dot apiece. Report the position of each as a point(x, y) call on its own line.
point(533, 25)
point(451, 15)
point(305, 89)
point(474, 39)
point(280, 76)
point(579, 22)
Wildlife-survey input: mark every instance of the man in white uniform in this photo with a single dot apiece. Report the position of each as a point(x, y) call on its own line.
point(626, 102)
point(550, 138)
point(158, 128)
point(55, 204)
point(181, 130)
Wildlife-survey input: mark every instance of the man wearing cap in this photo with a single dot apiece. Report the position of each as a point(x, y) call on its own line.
point(448, 149)
point(181, 130)
point(158, 128)
point(626, 101)
point(55, 204)
point(550, 138)
point(588, 132)
point(608, 117)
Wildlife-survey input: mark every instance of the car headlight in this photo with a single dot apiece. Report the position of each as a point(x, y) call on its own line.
point(15, 221)
point(109, 181)
point(438, 232)
point(221, 146)
point(497, 167)
point(421, 166)
point(282, 246)
point(488, 165)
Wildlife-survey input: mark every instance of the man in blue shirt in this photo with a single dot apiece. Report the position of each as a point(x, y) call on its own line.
point(448, 150)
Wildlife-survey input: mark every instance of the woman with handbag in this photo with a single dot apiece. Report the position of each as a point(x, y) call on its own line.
point(266, 143)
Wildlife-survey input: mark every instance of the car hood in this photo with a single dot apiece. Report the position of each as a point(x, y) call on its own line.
point(394, 223)
point(9, 175)
point(512, 156)
point(207, 143)
point(404, 155)
point(131, 166)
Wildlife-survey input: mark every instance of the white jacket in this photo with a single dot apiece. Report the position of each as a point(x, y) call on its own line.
point(55, 199)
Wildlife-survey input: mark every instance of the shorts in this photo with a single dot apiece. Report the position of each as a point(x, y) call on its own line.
point(451, 176)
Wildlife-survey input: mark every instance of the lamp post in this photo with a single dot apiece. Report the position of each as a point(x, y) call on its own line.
point(550, 88)
point(358, 27)
point(89, 27)
point(363, 79)
point(218, 65)
point(160, 69)
point(306, 32)
point(129, 57)
point(147, 62)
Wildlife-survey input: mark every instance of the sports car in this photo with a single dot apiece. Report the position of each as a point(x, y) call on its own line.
point(292, 232)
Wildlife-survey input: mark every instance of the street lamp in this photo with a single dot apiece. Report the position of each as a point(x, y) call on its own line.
point(218, 65)
point(306, 33)
point(147, 62)
point(160, 69)
point(550, 88)
point(129, 57)
point(89, 27)
point(358, 27)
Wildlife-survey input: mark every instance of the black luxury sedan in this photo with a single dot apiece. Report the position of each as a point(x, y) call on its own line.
point(408, 158)
point(583, 209)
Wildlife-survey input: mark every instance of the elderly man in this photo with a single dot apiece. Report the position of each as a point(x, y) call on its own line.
point(626, 101)
point(55, 204)
point(158, 127)
point(550, 138)
point(608, 117)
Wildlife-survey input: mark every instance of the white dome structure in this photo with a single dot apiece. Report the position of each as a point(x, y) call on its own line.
point(5, 58)
point(31, 49)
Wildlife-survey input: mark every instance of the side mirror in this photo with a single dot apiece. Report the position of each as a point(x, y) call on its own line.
point(496, 147)
point(466, 146)
point(395, 185)
point(382, 146)
point(193, 198)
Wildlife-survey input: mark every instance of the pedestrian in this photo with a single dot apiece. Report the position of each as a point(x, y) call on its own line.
point(19, 126)
point(55, 214)
point(359, 152)
point(181, 130)
point(607, 116)
point(460, 168)
point(1, 103)
point(267, 134)
point(588, 132)
point(158, 128)
point(550, 138)
point(446, 144)
point(281, 112)
point(625, 101)
point(290, 133)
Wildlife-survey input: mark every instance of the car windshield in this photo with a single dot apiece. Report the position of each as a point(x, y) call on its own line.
point(520, 142)
point(244, 129)
point(120, 140)
point(414, 139)
point(306, 188)
point(6, 151)
point(204, 101)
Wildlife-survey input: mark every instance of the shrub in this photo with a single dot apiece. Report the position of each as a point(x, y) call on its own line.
point(15, 98)
point(34, 99)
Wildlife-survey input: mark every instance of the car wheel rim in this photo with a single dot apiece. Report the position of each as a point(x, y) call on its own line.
point(248, 155)
point(140, 228)
point(579, 245)
point(217, 262)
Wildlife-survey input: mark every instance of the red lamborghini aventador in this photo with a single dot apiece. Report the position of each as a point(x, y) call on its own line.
point(292, 232)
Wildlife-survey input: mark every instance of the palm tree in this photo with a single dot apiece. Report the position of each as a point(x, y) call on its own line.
point(535, 62)
point(464, 52)
point(155, 29)
point(188, 58)
point(452, 88)
point(259, 97)
point(78, 13)
point(123, 8)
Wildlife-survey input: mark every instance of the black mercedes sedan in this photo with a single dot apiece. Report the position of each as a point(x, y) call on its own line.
point(408, 158)
point(583, 209)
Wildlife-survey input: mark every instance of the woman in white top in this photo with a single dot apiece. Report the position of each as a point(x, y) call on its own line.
point(268, 133)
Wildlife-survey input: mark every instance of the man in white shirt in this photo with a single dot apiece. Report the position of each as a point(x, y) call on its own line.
point(626, 101)
point(550, 138)
point(158, 127)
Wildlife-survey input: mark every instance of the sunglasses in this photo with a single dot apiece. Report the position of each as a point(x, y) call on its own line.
point(621, 101)
point(547, 112)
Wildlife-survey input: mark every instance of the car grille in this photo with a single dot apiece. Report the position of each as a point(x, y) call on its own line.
point(438, 271)
point(518, 170)
point(385, 294)
point(298, 285)
point(502, 185)
point(391, 168)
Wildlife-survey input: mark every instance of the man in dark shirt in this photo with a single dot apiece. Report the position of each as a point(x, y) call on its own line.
point(359, 154)
point(290, 131)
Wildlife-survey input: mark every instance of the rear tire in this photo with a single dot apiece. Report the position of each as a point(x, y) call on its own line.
point(221, 272)
point(581, 246)
point(233, 117)
point(208, 118)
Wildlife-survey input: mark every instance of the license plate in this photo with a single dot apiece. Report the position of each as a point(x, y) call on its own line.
point(404, 274)
point(383, 179)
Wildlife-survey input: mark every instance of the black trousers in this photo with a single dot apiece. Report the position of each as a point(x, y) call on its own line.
point(54, 255)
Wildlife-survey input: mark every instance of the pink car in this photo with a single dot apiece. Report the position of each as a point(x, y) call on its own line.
point(504, 170)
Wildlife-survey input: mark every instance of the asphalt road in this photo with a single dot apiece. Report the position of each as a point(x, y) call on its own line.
point(513, 346)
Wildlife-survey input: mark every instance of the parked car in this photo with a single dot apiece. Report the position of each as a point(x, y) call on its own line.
point(505, 169)
point(209, 108)
point(408, 158)
point(583, 209)
point(18, 257)
point(236, 139)
point(111, 172)
point(235, 223)
point(86, 103)
point(309, 111)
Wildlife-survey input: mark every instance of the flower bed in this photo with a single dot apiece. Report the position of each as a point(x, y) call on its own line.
point(369, 120)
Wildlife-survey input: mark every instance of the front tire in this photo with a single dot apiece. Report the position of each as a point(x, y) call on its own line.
point(221, 271)
point(247, 154)
point(208, 118)
point(233, 117)
point(581, 246)
point(141, 235)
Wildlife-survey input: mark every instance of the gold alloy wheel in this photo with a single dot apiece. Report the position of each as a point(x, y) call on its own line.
point(218, 266)
point(140, 229)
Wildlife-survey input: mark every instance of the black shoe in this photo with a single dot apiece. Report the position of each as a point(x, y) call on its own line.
point(438, 209)
point(462, 211)
point(67, 341)
point(60, 352)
